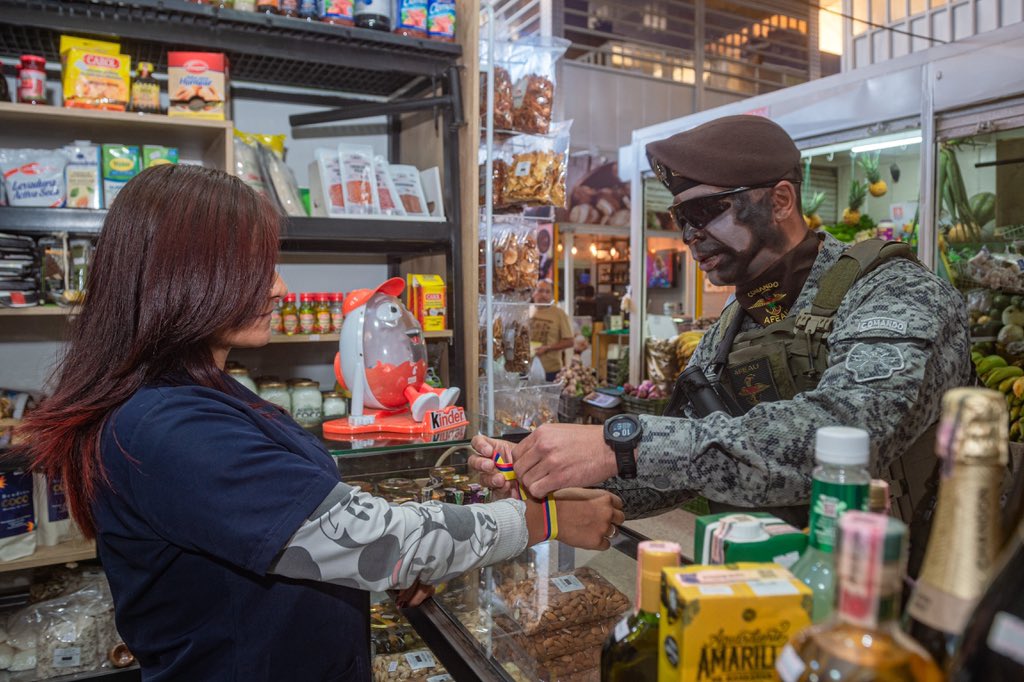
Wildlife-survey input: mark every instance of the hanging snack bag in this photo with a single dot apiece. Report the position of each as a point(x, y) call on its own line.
point(17, 518)
point(325, 188)
point(82, 175)
point(197, 85)
point(441, 20)
point(387, 195)
point(96, 74)
point(536, 174)
point(121, 163)
point(409, 188)
point(358, 179)
point(155, 155)
point(503, 96)
point(33, 177)
point(533, 64)
point(411, 18)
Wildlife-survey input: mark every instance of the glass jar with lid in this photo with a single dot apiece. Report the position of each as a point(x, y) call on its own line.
point(307, 403)
point(240, 374)
point(334, 405)
point(276, 392)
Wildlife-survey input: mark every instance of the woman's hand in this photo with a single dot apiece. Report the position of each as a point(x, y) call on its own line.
point(483, 462)
point(586, 518)
point(414, 595)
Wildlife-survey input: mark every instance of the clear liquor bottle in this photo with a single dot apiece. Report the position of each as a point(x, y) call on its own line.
point(863, 640)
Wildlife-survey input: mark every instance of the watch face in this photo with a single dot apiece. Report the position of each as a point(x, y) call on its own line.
point(623, 429)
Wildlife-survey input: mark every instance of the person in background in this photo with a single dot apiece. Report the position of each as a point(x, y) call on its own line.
point(819, 334)
point(233, 549)
point(551, 329)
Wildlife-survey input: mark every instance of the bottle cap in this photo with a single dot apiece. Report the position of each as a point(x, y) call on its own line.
point(652, 556)
point(290, 298)
point(145, 67)
point(842, 446)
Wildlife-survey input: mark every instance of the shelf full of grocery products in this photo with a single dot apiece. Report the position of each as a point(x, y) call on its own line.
point(37, 126)
point(64, 553)
point(357, 234)
point(443, 335)
point(261, 48)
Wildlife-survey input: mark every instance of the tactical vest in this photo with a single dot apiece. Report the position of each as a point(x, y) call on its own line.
point(789, 357)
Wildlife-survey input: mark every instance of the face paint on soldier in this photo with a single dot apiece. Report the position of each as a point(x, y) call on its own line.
point(742, 242)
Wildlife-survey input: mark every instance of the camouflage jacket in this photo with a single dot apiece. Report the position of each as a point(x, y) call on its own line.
point(899, 340)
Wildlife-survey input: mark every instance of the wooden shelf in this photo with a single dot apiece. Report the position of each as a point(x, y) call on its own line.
point(38, 311)
point(44, 126)
point(48, 556)
point(334, 338)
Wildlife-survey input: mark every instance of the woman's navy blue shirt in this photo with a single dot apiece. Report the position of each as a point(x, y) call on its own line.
point(204, 490)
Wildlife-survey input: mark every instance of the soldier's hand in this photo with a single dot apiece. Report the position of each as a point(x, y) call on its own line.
point(483, 461)
point(557, 456)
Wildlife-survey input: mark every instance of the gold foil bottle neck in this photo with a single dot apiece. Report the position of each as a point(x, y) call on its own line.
point(973, 428)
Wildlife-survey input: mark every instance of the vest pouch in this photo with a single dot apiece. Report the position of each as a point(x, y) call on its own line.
point(758, 373)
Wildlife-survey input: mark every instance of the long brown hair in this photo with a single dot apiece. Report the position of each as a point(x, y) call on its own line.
point(186, 255)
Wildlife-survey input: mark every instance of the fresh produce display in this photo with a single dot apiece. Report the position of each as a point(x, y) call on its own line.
point(953, 201)
point(647, 390)
point(858, 191)
point(869, 164)
point(686, 344)
point(811, 206)
point(577, 380)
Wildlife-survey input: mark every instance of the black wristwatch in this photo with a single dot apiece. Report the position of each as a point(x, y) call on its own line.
point(622, 433)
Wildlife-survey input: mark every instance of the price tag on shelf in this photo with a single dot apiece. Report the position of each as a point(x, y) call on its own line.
point(567, 583)
point(70, 657)
point(420, 660)
point(314, 337)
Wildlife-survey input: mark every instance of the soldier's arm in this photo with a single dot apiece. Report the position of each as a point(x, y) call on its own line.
point(639, 499)
point(899, 341)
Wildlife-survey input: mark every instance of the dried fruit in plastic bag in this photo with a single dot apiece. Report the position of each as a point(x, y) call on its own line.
point(537, 172)
point(533, 70)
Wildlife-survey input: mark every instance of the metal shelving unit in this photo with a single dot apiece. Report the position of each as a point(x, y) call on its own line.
point(357, 72)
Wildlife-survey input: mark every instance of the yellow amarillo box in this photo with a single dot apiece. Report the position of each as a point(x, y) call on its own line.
point(95, 74)
point(428, 301)
point(728, 623)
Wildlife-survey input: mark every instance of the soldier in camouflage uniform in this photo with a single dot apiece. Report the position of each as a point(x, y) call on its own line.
point(898, 341)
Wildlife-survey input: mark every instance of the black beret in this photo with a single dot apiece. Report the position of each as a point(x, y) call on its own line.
point(733, 151)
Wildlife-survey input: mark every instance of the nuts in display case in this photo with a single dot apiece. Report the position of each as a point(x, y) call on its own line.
point(557, 644)
point(577, 597)
point(410, 666)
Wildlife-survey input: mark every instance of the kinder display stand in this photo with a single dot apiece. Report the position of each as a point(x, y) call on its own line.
point(382, 360)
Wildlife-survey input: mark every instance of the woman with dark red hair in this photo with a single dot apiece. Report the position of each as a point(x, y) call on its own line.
point(233, 549)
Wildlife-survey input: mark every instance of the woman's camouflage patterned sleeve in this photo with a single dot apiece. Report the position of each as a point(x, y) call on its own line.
point(358, 540)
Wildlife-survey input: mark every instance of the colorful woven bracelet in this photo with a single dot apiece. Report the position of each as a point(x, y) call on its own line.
point(550, 513)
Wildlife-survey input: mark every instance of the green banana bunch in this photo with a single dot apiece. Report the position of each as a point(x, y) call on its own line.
point(989, 363)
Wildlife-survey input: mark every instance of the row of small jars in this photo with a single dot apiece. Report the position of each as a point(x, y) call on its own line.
point(443, 485)
point(316, 313)
point(300, 397)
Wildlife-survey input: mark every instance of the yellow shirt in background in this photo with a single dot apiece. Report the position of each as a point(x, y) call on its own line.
point(549, 325)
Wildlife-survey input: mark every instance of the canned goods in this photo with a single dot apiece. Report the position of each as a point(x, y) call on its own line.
point(438, 475)
point(391, 488)
point(361, 486)
point(453, 495)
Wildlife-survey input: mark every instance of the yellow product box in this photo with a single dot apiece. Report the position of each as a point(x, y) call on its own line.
point(428, 301)
point(95, 74)
point(728, 623)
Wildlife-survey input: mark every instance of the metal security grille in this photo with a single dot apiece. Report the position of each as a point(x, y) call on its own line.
point(740, 46)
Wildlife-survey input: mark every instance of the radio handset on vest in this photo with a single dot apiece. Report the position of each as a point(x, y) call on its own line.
point(693, 387)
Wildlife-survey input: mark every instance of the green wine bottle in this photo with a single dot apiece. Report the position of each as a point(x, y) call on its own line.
point(630, 654)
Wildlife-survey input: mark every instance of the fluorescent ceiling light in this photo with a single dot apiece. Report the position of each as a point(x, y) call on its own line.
point(866, 145)
point(889, 144)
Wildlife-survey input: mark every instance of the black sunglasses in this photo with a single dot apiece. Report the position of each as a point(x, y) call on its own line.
point(697, 213)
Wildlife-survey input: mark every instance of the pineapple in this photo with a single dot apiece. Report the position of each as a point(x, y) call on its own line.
point(811, 207)
point(876, 185)
point(851, 214)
